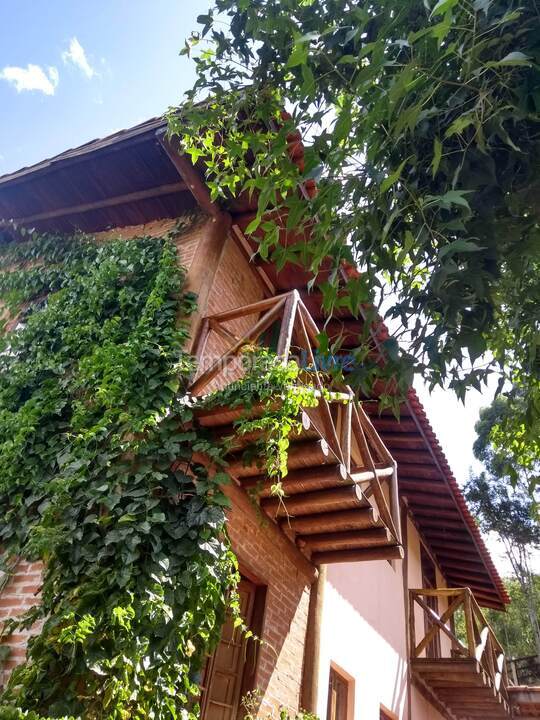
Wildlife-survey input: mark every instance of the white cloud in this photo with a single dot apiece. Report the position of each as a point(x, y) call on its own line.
point(32, 77)
point(77, 56)
point(54, 75)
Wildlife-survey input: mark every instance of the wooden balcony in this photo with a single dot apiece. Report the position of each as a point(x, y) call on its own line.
point(341, 499)
point(456, 660)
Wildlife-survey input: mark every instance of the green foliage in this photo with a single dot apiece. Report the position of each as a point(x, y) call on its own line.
point(502, 501)
point(517, 462)
point(97, 480)
point(251, 703)
point(421, 127)
point(280, 390)
point(513, 627)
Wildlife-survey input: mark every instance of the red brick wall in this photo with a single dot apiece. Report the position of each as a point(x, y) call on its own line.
point(265, 554)
point(18, 595)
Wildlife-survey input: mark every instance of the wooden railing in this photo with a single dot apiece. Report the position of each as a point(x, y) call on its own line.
point(344, 427)
point(462, 629)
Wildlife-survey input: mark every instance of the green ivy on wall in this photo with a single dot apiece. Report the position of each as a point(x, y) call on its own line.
point(97, 480)
point(100, 476)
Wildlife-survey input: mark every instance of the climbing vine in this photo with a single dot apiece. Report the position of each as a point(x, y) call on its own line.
point(97, 480)
point(101, 478)
point(271, 395)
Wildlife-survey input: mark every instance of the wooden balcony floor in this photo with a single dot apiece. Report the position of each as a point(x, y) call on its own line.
point(461, 686)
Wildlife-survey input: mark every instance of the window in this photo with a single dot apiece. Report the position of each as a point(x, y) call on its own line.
point(340, 691)
point(226, 676)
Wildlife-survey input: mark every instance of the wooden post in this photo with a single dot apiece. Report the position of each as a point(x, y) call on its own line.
point(285, 334)
point(312, 647)
point(471, 642)
point(407, 604)
point(188, 173)
point(412, 623)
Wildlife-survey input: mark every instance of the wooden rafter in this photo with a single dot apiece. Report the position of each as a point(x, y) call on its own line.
point(138, 196)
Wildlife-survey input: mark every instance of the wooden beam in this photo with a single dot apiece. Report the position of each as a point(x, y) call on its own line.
point(435, 489)
point(405, 441)
point(287, 324)
point(495, 580)
point(392, 425)
point(149, 193)
point(318, 501)
point(450, 549)
point(221, 362)
point(433, 521)
point(335, 521)
point(188, 173)
point(436, 512)
point(266, 283)
point(438, 624)
point(302, 480)
point(301, 454)
point(421, 472)
point(414, 457)
point(470, 580)
point(431, 501)
point(462, 537)
point(452, 564)
point(345, 540)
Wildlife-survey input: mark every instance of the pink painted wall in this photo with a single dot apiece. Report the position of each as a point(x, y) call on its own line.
point(364, 632)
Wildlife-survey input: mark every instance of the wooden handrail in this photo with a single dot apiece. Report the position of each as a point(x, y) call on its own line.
point(476, 639)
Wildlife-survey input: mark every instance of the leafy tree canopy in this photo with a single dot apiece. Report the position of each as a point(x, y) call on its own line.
point(512, 627)
point(518, 463)
point(501, 499)
point(420, 120)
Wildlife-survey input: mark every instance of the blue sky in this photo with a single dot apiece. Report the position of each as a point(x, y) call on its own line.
point(100, 66)
point(132, 70)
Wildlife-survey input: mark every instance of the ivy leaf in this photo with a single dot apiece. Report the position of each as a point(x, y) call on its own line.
point(253, 225)
point(452, 197)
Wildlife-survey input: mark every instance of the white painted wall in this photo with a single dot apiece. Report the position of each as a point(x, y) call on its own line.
point(364, 633)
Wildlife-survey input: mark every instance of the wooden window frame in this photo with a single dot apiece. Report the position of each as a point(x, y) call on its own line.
point(251, 648)
point(386, 714)
point(350, 682)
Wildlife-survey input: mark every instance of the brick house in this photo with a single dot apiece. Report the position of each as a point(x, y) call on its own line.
point(354, 594)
